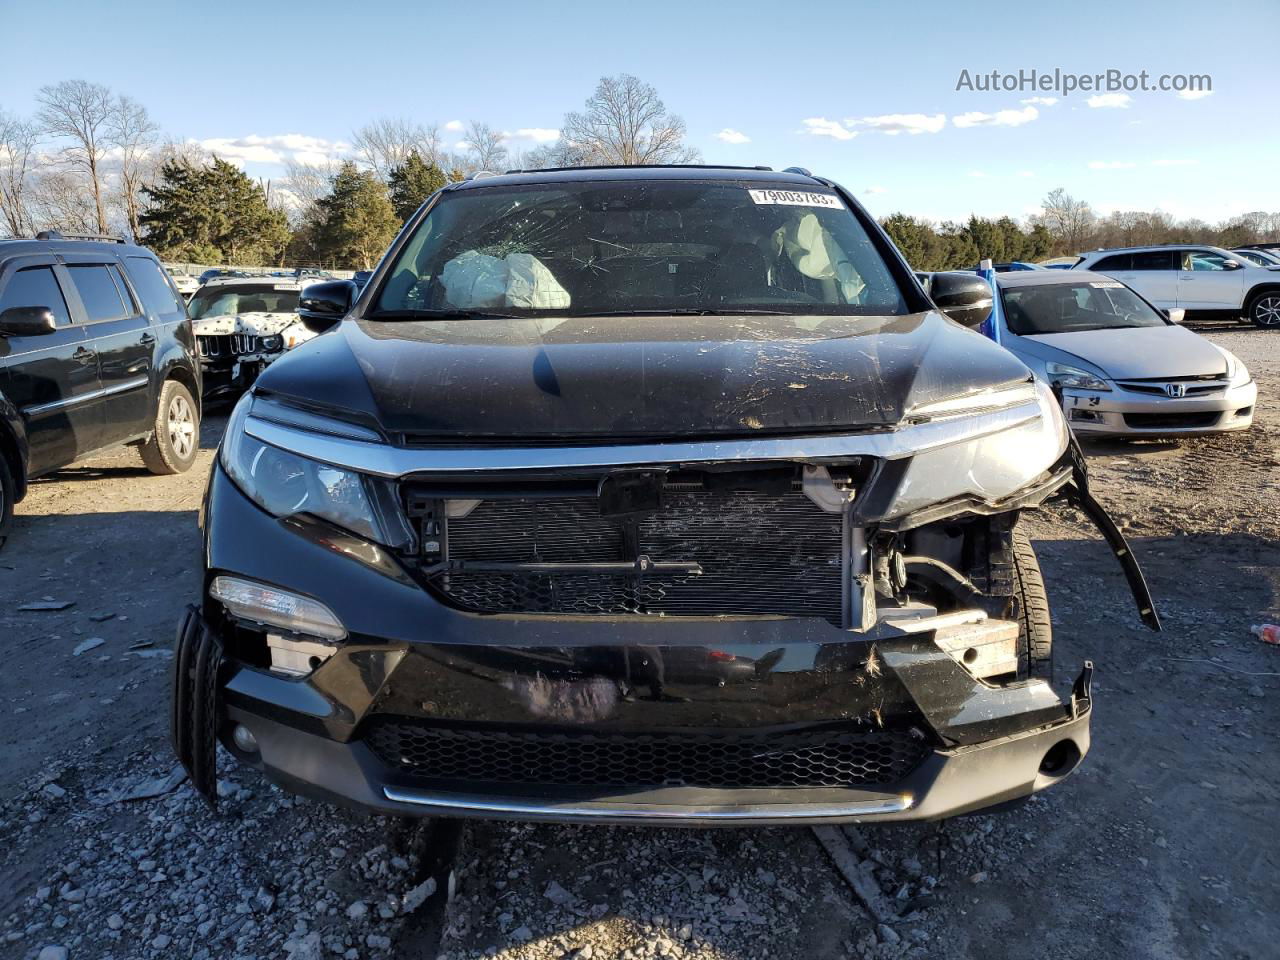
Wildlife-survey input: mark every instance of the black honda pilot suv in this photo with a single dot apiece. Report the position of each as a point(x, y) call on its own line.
point(95, 351)
point(644, 494)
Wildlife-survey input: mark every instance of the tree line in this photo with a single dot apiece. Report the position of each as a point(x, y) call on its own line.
point(90, 160)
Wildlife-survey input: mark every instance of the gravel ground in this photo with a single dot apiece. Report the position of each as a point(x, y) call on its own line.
point(1160, 847)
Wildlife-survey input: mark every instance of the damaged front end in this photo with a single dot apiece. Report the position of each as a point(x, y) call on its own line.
point(776, 630)
point(235, 349)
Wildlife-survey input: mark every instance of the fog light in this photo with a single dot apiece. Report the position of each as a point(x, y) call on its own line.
point(276, 608)
point(244, 739)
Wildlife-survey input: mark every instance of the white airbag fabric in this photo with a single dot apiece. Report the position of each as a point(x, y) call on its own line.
point(477, 281)
point(815, 254)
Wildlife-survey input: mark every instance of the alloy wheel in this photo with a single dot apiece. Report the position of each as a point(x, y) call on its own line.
point(1266, 312)
point(182, 427)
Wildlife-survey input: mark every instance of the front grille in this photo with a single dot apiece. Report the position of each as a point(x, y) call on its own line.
point(827, 758)
point(1193, 387)
point(243, 343)
point(1171, 421)
point(228, 345)
point(759, 553)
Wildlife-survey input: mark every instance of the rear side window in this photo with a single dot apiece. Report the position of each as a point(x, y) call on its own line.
point(99, 292)
point(152, 286)
point(1153, 260)
point(35, 287)
point(1119, 261)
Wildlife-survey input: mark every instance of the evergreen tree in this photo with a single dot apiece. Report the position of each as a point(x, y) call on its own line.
point(210, 213)
point(411, 183)
point(356, 220)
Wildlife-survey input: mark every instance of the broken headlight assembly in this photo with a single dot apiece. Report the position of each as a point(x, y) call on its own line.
point(285, 484)
point(1074, 378)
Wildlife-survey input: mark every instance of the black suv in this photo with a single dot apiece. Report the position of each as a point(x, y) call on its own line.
point(95, 350)
point(657, 494)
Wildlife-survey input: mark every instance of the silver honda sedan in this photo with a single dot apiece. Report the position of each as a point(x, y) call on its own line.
point(1120, 366)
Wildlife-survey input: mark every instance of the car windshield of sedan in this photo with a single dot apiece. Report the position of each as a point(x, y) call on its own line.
point(1071, 307)
point(248, 298)
point(597, 248)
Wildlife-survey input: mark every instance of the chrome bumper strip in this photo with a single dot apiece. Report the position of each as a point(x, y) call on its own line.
point(650, 813)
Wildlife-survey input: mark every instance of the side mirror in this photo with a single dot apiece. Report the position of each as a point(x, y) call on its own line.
point(322, 305)
point(964, 297)
point(27, 322)
point(1232, 265)
point(1176, 315)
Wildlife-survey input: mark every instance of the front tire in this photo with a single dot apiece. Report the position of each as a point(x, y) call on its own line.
point(1030, 608)
point(1264, 310)
point(175, 439)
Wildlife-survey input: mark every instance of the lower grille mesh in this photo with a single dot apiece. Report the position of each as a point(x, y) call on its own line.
point(760, 554)
point(809, 759)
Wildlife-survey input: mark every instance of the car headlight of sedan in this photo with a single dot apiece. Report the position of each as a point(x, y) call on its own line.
point(1237, 372)
point(285, 484)
point(1063, 375)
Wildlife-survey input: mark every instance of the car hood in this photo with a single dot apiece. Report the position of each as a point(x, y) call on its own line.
point(638, 377)
point(256, 324)
point(1144, 353)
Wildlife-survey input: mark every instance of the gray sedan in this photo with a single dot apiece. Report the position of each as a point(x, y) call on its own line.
point(1120, 366)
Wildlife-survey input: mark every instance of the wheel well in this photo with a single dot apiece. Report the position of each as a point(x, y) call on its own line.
point(1261, 289)
point(9, 451)
point(184, 377)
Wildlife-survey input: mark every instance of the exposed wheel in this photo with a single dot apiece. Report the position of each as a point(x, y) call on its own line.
point(1264, 310)
point(8, 493)
point(175, 439)
point(1030, 604)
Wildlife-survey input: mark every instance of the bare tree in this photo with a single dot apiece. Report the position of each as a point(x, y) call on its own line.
point(18, 140)
point(59, 202)
point(486, 147)
point(386, 143)
point(303, 187)
point(133, 133)
point(1071, 221)
point(625, 121)
point(81, 113)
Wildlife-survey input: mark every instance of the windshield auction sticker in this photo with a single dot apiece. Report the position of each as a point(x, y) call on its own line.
point(796, 198)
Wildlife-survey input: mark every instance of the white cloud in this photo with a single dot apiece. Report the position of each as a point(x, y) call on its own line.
point(895, 123)
point(1194, 94)
point(822, 127)
point(1111, 165)
point(1041, 101)
point(536, 134)
point(1113, 101)
point(1175, 162)
point(729, 135)
point(875, 190)
point(455, 125)
point(1001, 118)
point(1025, 173)
point(277, 149)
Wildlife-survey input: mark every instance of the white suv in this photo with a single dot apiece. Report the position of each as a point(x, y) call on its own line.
point(1202, 280)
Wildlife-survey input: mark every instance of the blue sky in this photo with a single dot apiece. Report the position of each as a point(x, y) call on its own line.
point(816, 84)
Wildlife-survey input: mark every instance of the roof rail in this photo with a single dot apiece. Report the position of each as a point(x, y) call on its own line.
point(56, 235)
point(803, 171)
point(642, 166)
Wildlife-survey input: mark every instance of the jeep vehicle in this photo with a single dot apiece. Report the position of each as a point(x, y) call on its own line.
point(1206, 282)
point(638, 494)
point(241, 325)
point(95, 351)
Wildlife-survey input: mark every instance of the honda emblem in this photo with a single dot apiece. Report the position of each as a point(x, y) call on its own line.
point(1175, 390)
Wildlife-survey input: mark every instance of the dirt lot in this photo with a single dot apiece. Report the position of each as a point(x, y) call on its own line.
point(1163, 846)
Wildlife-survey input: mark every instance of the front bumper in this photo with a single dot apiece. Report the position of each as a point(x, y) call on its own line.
point(411, 658)
point(1124, 413)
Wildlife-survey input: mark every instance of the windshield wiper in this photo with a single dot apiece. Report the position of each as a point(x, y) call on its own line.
point(441, 315)
point(688, 312)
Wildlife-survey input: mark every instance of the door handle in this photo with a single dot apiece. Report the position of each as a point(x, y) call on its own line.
point(83, 357)
point(146, 340)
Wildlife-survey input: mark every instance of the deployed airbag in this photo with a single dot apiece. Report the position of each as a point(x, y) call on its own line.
point(475, 280)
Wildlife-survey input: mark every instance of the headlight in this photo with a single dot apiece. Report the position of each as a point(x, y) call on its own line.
point(1237, 373)
point(272, 343)
point(284, 483)
point(1061, 375)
